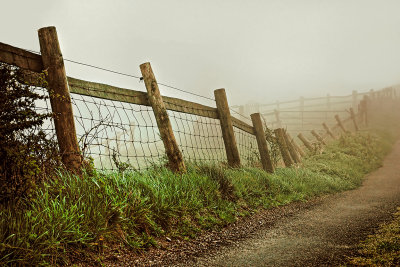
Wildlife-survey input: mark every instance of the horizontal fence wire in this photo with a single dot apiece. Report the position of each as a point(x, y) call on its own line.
point(117, 135)
point(248, 148)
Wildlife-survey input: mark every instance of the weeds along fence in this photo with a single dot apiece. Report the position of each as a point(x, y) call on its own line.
point(127, 129)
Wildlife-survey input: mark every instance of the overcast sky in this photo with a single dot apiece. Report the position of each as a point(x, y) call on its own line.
point(259, 51)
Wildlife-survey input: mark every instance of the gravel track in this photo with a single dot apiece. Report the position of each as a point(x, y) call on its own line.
point(321, 235)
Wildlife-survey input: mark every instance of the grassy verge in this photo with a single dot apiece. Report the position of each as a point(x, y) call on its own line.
point(382, 248)
point(70, 214)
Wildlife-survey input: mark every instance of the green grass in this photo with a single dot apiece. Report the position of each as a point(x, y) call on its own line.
point(70, 214)
point(382, 248)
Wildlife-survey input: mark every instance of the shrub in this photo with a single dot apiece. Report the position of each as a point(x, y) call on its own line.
point(26, 152)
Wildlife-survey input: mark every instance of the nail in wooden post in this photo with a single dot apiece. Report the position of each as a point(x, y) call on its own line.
point(353, 118)
point(306, 143)
point(262, 142)
point(299, 150)
point(328, 131)
point(279, 133)
point(174, 155)
point(60, 99)
point(292, 151)
point(339, 121)
point(224, 115)
point(318, 137)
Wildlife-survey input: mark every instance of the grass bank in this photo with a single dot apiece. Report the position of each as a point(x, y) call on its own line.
point(382, 248)
point(71, 214)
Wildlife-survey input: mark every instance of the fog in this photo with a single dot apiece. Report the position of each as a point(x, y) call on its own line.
point(260, 51)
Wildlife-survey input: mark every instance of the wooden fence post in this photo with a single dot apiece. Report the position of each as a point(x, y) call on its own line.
point(224, 115)
point(339, 121)
point(353, 118)
point(174, 155)
point(262, 143)
point(301, 152)
point(328, 131)
point(318, 137)
point(279, 133)
point(60, 99)
point(293, 153)
point(306, 143)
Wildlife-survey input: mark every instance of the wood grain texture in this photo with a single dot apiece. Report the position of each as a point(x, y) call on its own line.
point(224, 115)
point(174, 155)
point(60, 99)
point(262, 143)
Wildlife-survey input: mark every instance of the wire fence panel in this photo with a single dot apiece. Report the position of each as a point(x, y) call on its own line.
point(199, 138)
point(248, 148)
point(117, 134)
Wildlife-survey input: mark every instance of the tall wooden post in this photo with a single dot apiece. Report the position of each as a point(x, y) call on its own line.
point(224, 115)
point(318, 137)
point(60, 99)
point(279, 133)
point(306, 143)
point(301, 152)
point(174, 155)
point(262, 143)
point(328, 131)
point(292, 150)
point(353, 118)
point(339, 121)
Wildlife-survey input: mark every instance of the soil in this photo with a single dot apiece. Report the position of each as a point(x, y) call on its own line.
point(320, 232)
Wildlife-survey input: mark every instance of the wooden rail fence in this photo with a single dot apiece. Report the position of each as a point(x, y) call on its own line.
point(60, 86)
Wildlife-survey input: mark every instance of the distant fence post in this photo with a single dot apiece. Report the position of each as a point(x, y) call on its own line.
point(301, 152)
point(292, 150)
point(365, 109)
point(278, 118)
point(353, 118)
point(60, 99)
point(328, 131)
point(306, 143)
point(224, 115)
point(279, 133)
point(318, 137)
point(339, 122)
point(262, 143)
point(174, 155)
point(328, 102)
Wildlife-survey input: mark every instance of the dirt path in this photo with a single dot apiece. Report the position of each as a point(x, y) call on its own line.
point(323, 234)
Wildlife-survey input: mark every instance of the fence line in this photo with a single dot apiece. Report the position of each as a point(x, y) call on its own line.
point(121, 128)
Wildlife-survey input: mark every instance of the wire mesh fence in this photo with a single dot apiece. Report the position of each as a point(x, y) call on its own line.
point(117, 134)
point(248, 148)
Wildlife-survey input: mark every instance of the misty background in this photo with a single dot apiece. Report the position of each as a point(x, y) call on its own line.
point(260, 51)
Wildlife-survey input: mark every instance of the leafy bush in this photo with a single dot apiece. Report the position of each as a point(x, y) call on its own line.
point(26, 153)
